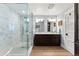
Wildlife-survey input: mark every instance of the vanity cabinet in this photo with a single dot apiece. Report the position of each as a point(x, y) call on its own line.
point(47, 39)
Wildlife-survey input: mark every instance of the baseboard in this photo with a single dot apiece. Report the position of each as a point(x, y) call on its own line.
point(8, 51)
point(30, 50)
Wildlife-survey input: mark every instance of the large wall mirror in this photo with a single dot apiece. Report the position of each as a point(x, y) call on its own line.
point(46, 24)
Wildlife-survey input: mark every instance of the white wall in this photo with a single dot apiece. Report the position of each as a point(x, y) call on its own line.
point(67, 42)
point(9, 29)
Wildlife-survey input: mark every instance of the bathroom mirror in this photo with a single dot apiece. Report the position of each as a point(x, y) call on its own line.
point(43, 24)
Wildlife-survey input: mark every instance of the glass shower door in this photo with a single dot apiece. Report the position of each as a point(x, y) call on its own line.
point(25, 34)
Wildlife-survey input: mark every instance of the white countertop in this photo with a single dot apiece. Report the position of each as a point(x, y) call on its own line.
point(45, 33)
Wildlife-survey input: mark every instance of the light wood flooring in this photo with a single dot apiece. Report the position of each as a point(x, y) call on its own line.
point(49, 51)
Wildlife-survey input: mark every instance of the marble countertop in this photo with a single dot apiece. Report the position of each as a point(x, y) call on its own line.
point(45, 33)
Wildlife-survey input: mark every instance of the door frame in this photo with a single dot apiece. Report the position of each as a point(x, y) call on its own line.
point(75, 26)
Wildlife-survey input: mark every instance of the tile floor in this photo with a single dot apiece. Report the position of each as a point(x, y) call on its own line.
point(18, 52)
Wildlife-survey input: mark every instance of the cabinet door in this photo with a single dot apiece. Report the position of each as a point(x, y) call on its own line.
point(47, 40)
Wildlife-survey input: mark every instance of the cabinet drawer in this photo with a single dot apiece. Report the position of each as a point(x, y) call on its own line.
point(47, 40)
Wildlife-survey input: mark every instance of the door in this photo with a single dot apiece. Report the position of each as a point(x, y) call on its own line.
point(69, 30)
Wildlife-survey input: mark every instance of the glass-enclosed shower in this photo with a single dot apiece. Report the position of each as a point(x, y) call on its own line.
point(26, 35)
point(16, 30)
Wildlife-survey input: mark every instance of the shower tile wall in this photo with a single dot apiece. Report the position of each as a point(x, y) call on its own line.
point(9, 30)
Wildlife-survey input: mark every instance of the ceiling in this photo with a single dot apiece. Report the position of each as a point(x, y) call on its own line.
point(39, 8)
point(42, 8)
point(20, 8)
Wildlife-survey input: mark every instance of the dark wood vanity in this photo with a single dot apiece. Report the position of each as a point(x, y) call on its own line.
point(47, 39)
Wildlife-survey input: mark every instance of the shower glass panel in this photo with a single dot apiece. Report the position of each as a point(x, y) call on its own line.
point(30, 34)
point(25, 33)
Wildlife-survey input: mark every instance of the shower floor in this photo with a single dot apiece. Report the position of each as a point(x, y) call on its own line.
point(18, 52)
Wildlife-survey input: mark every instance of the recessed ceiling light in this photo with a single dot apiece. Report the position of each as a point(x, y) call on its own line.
point(50, 6)
point(23, 12)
